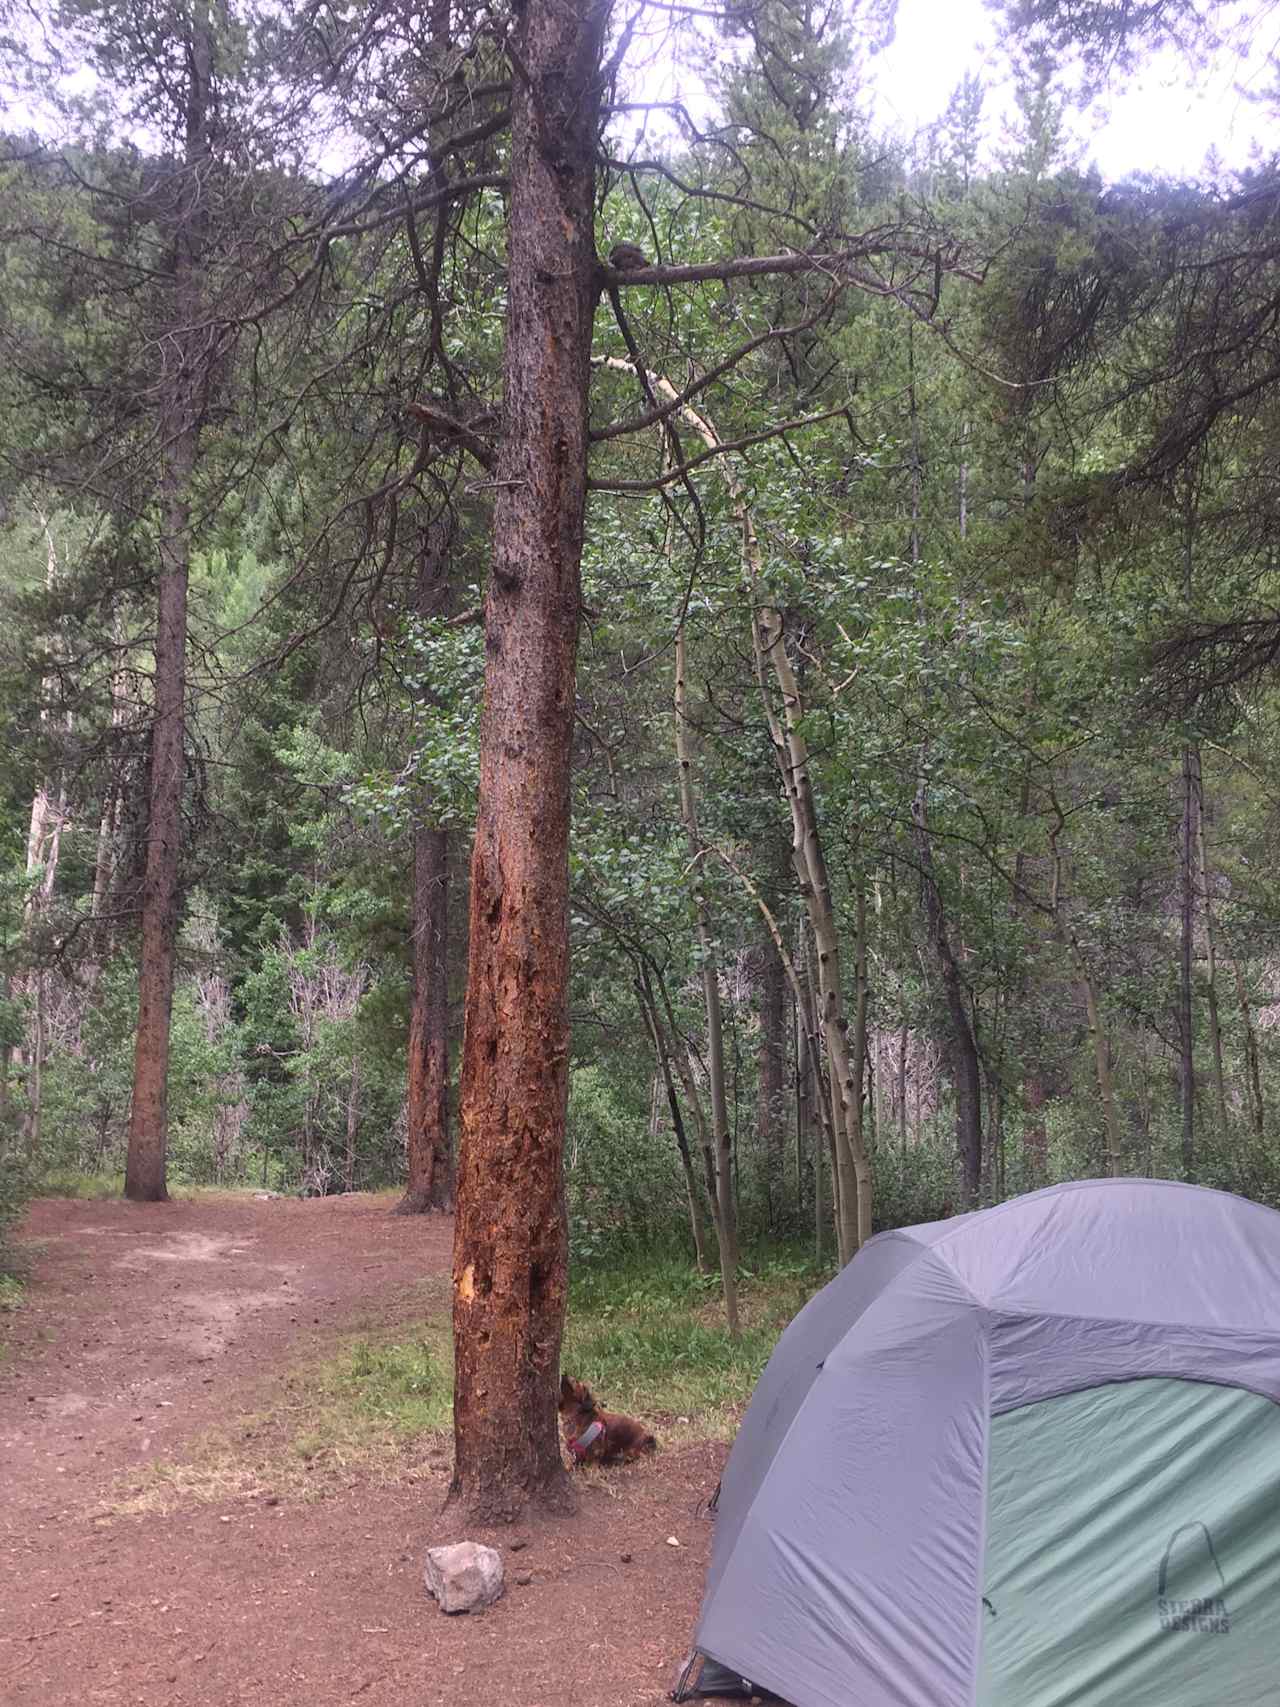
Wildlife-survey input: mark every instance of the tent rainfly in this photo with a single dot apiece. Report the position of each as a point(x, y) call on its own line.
point(1028, 1457)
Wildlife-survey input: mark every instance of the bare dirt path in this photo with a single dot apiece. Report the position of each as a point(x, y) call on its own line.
point(143, 1327)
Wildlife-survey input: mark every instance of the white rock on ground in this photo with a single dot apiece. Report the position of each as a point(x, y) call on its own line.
point(463, 1577)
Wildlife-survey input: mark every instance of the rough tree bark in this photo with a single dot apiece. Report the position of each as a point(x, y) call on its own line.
point(511, 1239)
point(149, 1112)
point(186, 390)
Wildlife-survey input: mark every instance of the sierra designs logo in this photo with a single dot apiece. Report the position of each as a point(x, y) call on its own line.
point(1190, 1587)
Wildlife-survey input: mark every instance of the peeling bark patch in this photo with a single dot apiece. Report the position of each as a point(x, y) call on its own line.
point(467, 1283)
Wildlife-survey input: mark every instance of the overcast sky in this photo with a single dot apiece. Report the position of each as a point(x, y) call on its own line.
point(1158, 124)
point(1159, 121)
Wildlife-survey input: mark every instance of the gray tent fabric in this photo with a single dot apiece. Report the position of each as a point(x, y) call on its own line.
point(863, 1517)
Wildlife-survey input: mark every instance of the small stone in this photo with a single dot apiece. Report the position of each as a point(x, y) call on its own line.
point(516, 1545)
point(524, 1579)
point(272, 1499)
point(671, 1541)
point(625, 1557)
point(464, 1577)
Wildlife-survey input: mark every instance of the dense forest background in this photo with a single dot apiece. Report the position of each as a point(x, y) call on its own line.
point(925, 711)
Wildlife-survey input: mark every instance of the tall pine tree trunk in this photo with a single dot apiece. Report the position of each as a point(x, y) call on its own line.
point(185, 391)
point(148, 1116)
point(511, 1236)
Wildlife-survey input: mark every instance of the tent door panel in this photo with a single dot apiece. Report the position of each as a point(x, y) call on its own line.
point(1133, 1550)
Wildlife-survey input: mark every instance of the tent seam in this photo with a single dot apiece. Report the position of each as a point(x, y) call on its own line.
point(1161, 1374)
point(979, 1627)
point(1039, 1314)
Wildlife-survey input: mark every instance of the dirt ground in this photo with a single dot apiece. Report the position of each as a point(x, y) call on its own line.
point(146, 1325)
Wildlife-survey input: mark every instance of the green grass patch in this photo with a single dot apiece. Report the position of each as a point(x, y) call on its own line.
point(68, 1182)
point(650, 1337)
point(98, 1188)
point(377, 1410)
point(11, 1296)
point(403, 1386)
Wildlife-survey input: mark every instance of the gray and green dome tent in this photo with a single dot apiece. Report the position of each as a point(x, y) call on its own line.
point(1028, 1457)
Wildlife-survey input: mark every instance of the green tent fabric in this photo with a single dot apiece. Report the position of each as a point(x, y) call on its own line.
point(1133, 1549)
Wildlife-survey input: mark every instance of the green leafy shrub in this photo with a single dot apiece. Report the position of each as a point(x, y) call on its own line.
point(625, 1190)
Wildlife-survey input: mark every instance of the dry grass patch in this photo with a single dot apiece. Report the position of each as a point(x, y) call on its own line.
point(375, 1411)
